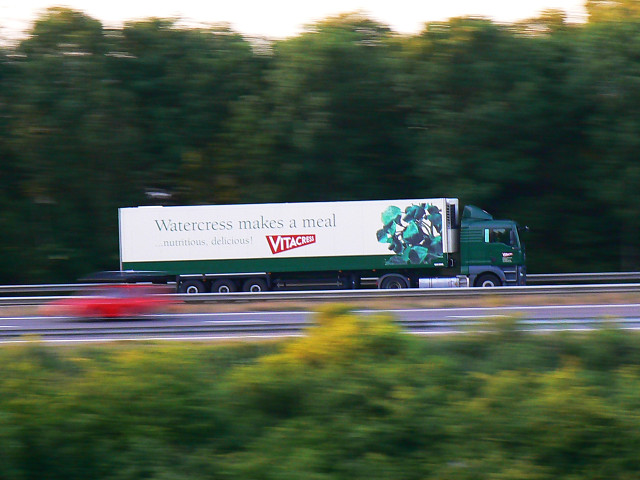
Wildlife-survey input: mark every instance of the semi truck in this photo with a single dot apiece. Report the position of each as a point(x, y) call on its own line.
point(406, 243)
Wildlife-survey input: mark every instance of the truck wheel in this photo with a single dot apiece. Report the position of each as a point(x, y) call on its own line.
point(394, 281)
point(255, 285)
point(192, 286)
point(223, 286)
point(488, 280)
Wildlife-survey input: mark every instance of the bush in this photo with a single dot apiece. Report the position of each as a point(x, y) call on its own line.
point(354, 398)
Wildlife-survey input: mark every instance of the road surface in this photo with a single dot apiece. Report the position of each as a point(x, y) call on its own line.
point(276, 324)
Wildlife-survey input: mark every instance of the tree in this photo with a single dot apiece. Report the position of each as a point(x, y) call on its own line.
point(12, 179)
point(612, 10)
point(103, 117)
point(330, 124)
point(496, 123)
point(183, 83)
point(611, 79)
point(62, 118)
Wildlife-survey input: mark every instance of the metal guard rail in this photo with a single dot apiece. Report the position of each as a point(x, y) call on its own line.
point(531, 279)
point(544, 278)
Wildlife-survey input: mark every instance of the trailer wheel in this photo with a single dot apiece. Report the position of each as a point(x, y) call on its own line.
point(223, 286)
point(488, 280)
point(192, 287)
point(255, 285)
point(394, 281)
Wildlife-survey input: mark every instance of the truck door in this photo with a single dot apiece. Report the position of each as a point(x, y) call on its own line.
point(502, 245)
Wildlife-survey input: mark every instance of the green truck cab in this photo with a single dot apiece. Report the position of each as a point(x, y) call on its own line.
point(491, 251)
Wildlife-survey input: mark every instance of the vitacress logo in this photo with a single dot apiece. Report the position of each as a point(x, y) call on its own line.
point(282, 243)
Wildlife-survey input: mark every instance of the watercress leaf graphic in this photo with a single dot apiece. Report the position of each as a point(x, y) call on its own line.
point(436, 245)
point(411, 230)
point(383, 236)
point(436, 220)
point(412, 234)
point(396, 245)
point(390, 229)
point(396, 260)
point(418, 255)
point(414, 213)
point(391, 215)
point(432, 209)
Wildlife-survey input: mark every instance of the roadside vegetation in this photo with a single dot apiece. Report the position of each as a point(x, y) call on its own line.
point(355, 398)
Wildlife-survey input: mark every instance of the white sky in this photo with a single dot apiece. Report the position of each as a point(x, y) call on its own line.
point(282, 18)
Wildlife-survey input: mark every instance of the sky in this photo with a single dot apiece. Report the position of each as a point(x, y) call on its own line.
point(283, 18)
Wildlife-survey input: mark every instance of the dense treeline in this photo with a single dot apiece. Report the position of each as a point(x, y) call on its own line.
point(536, 121)
point(355, 399)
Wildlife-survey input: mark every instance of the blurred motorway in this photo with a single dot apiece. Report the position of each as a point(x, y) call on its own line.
point(278, 324)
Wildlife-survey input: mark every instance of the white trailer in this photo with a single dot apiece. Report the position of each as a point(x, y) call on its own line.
point(255, 247)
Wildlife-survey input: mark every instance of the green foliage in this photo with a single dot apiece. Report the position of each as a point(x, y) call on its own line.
point(354, 398)
point(535, 121)
point(99, 119)
point(613, 10)
point(329, 121)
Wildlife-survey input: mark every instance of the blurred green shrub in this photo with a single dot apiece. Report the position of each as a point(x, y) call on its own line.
point(354, 398)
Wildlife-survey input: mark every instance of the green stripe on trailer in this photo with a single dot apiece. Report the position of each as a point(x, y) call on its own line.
point(275, 265)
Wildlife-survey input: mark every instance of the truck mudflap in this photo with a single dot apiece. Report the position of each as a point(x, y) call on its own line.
point(522, 275)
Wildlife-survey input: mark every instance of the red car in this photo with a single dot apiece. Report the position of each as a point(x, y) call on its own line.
point(113, 301)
